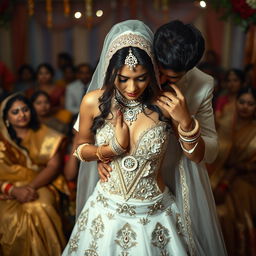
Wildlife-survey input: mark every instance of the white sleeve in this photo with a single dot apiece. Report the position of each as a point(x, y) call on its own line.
point(76, 125)
point(205, 117)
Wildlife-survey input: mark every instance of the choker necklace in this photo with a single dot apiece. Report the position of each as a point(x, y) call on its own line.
point(129, 108)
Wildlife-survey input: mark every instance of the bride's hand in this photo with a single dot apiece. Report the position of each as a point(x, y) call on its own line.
point(122, 131)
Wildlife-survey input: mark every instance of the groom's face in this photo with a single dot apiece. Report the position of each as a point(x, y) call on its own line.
point(168, 76)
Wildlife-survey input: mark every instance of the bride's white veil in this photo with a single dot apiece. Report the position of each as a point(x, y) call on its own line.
point(187, 180)
point(127, 33)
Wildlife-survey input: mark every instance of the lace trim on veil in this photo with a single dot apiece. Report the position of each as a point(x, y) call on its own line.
point(186, 208)
point(130, 39)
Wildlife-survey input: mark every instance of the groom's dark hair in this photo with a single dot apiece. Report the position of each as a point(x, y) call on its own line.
point(178, 46)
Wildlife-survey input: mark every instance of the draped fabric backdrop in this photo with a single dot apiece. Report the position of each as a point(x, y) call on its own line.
point(29, 40)
point(250, 49)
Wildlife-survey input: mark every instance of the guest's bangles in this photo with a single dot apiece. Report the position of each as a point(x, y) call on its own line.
point(101, 157)
point(7, 188)
point(191, 133)
point(116, 147)
point(78, 152)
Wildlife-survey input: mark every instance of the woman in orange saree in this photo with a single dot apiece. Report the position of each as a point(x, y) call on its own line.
point(30, 159)
point(233, 176)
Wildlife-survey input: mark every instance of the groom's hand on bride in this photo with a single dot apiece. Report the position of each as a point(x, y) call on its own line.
point(104, 171)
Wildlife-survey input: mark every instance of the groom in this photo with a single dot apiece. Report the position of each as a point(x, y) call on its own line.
point(187, 91)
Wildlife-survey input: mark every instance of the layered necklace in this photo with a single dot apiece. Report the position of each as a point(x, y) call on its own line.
point(129, 108)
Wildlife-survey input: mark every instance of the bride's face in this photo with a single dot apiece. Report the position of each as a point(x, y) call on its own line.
point(132, 83)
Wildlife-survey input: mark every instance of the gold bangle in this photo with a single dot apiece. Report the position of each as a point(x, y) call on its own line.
point(193, 132)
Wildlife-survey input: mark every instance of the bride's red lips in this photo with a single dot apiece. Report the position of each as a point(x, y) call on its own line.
point(132, 94)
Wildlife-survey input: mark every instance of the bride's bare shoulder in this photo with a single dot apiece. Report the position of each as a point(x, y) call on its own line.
point(91, 99)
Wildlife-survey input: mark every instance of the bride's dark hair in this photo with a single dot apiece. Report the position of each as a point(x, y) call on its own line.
point(117, 62)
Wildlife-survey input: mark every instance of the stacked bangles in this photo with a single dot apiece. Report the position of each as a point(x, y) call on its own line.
point(7, 188)
point(190, 137)
point(115, 147)
point(78, 152)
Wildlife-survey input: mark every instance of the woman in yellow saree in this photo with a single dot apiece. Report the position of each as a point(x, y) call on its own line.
point(30, 158)
point(233, 176)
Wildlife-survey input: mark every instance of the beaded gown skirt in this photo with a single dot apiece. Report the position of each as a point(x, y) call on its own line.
point(109, 226)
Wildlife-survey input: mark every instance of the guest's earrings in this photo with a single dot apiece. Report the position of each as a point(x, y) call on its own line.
point(7, 123)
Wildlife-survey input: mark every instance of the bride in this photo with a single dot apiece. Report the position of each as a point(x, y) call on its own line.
point(122, 124)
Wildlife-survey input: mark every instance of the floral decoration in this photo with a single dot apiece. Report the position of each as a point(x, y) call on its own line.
point(242, 12)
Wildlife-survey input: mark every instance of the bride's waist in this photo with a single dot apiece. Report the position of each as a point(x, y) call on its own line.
point(118, 197)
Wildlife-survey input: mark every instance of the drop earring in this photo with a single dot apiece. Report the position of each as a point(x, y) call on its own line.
point(7, 123)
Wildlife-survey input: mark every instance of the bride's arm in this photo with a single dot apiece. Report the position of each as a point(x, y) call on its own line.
point(85, 149)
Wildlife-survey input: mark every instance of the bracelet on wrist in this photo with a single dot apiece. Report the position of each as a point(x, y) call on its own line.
point(116, 147)
point(189, 151)
point(7, 188)
point(78, 152)
point(191, 133)
point(190, 140)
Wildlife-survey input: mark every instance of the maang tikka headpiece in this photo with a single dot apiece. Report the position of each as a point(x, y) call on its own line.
point(130, 60)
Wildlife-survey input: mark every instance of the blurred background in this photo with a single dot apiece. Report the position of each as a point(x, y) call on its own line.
point(49, 49)
point(35, 31)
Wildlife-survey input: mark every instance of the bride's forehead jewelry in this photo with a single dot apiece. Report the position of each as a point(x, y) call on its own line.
point(130, 60)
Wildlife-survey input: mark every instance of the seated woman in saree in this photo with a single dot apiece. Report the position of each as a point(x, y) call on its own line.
point(42, 103)
point(233, 176)
point(226, 104)
point(122, 123)
point(30, 160)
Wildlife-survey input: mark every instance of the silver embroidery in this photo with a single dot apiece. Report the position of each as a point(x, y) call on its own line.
point(73, 243)
point(97, 228)
point(126, 209)
point(160, 236)
point(82, 220)
point(144, 221)
point(97, 232)
point(102, 199)
point(111, 216)
point(158, 206)
point(126, 237)
point(168, 212)
point(90, 252)
point(179, 225)
point(140, 183)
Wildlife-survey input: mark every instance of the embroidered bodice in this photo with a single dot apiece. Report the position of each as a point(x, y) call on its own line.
point(134, 175)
